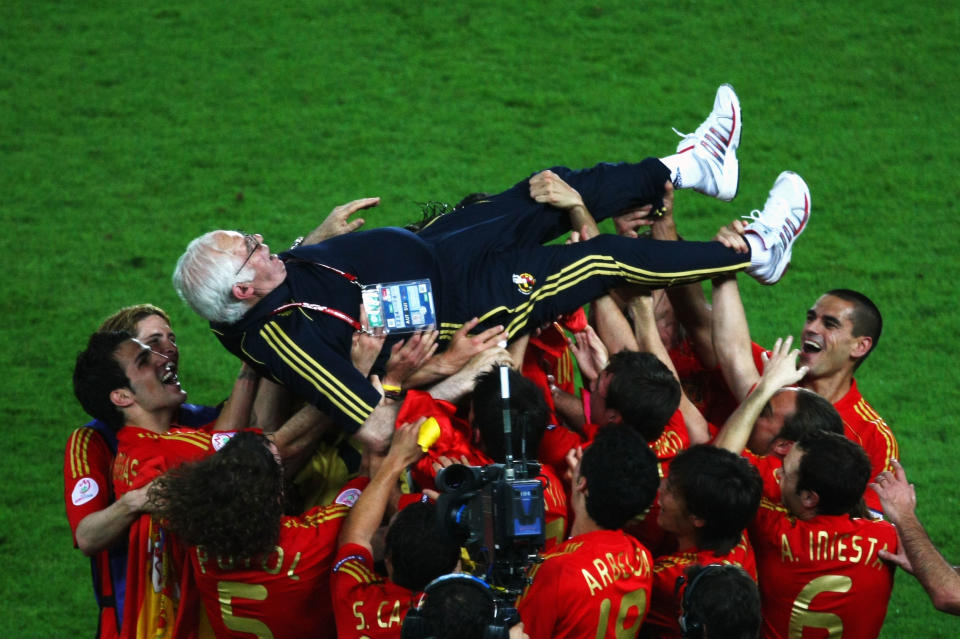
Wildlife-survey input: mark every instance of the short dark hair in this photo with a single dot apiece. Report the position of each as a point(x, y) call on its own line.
point(719, 487)
point(724, 602)
point(230, 503)
point(866, 317)
point(643, 390)
point(417, 549)
point(836, 469)
point(813, 412)
point(621, 475)
point(456, 607)
point(97, 373)
point(528, 414)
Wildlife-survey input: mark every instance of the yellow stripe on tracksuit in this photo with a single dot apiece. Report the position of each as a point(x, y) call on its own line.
point(311, 370)
point(587, 267)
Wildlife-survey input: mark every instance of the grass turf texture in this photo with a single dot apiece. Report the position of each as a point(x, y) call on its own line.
point(128, 130)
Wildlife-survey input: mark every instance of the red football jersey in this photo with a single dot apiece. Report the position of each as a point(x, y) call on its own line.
point(143, 455)
point(454, 441)
point(864, 426)
point(769, 467)
point(595, 585)
point(366, 605)
point(87, 488)
point(285, 593)
point(822, 575)
point(155, 565)
point(705, 388)
point(665, 603)
point(548, 353)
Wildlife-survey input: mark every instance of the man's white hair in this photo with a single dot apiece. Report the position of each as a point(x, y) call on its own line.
point(204, 279)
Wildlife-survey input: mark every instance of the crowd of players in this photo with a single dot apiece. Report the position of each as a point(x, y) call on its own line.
point(697, 484)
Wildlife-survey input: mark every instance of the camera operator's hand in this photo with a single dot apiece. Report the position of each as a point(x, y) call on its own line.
point(443, 461)
point(516, 631)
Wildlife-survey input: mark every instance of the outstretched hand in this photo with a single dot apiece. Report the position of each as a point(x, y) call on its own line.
point(897, 496)
point(408, 355)
point(590, 351)
point(366, 345)
point(627, 223)
point(464, 346)
point(547, 187)
point(404, 449)
point(338, 222)
point(780, 366)
point(732, 236)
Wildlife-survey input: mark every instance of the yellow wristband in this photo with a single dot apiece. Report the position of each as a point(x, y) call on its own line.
point(390, 388)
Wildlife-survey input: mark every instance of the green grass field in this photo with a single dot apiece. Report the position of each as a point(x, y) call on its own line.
point(127, 129)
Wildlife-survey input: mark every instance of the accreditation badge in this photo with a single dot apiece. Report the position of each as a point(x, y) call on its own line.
point(400, 307)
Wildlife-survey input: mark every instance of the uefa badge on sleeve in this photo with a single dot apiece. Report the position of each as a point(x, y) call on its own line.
point(525, 283)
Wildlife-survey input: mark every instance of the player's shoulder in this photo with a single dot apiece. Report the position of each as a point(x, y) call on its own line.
point(673, 563)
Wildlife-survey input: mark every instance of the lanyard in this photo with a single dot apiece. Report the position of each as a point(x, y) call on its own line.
point(350, 277)
point(340, 315)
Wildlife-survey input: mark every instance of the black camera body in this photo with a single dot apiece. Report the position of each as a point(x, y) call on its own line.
point(497, 513)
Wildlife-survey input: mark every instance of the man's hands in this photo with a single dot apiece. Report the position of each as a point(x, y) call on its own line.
point(731, 236)
point(780, 366)
point(404, 449)
point(337, 222)
point(627, 223)
point(547, 187)
point(464, 346)
point(590, 352)
point(366, 345)
point(899, 500)
point(897, 495)
point(408, 355)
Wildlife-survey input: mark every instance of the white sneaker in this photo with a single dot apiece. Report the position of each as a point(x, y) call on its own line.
point(715, 143)
point(777, 226)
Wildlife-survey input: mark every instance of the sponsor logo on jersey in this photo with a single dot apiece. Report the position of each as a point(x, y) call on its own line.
point(84, 490)
point(348, 497)
point(525, 282)
point(219, 440)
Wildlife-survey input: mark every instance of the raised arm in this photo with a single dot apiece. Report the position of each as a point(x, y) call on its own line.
point(916, 554)
point(649, 341)
point(235, 413)
point(731, 337)
point(337, 223)
point(689, 302)
point(547, 187)
point(367, 514)
point(780, 370)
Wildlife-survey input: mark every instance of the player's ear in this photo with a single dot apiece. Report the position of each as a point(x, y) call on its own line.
point(121, 397)
point(862, 346)
point(613, 416)
point(809, 499)
point(243, 290)
point(581, 486)
point(781, 446)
